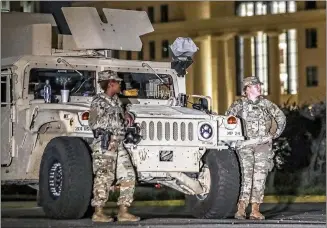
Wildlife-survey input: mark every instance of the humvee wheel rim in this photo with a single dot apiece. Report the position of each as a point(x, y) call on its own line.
point(201, 196)
point(55, 180)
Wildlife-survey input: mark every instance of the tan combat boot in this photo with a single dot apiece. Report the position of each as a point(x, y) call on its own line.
point(241, 206)
point(124, 216)
point(255, 214)
point(99, 216)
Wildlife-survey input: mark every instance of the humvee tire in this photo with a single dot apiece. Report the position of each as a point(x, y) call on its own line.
point(72, 157)
point(222, 198)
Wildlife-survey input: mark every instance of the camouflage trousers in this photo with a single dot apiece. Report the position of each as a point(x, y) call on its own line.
point(256, 162)
point(107, 163)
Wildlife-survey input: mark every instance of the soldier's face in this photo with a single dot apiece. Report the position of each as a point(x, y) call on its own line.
point(115, 86)
point(254, 90)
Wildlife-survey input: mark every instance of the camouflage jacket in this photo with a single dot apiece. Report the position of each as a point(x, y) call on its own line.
point(107, 113)
point(258, 117)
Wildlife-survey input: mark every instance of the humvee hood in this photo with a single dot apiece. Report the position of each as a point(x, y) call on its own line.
point(71, 106)
point(166, 111)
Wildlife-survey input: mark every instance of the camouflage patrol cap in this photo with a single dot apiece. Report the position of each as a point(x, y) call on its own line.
point(108, 75)
point(251, 81)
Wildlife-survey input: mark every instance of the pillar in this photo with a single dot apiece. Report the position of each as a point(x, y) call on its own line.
point(225, 79)
point(215, 81)
point(274, 70)
point(196, 10)
point(202, 70)
point(197, 72)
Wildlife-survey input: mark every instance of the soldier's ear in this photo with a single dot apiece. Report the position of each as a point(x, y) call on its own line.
point(109, 83)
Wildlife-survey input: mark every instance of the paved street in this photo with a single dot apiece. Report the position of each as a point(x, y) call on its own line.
point(24, 214)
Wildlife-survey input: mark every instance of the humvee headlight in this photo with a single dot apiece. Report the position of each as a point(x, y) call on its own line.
point(205, 131)
point(230, 122)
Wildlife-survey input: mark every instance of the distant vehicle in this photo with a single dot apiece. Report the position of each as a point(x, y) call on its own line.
point(46, 145)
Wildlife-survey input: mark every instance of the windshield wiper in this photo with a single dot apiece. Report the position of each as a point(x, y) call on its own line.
point(59, 60)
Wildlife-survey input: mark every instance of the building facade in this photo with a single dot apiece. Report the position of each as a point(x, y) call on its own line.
point(281, 42)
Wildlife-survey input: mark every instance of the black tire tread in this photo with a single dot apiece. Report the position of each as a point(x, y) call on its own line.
point(225, 186)
point(77, 179)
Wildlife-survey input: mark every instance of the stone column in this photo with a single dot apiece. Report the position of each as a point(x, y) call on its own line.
point(215, 66)
point(198, 72)
point(224, 82)
point(202, 70)
point(274, 70)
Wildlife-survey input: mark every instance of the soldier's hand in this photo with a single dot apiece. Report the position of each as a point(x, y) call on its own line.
point(271, 135)
point(129, 120)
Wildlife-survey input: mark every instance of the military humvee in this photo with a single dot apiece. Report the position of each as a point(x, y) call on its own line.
point(46, 145)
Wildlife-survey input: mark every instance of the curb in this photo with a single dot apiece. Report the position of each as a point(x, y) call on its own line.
point(295, 199)
point(267, 199)
point(175, 203)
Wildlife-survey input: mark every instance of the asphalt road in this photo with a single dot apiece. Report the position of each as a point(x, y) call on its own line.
point(24, 214)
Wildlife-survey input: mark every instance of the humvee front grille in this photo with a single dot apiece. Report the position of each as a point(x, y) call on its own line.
point(155, 130)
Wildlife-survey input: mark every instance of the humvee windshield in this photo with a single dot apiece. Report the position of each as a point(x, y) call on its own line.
point(146, 85)
point(134, 85)
point(62, 79)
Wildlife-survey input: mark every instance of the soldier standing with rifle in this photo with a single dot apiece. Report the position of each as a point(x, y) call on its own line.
point(263, 122)
point(107, 123)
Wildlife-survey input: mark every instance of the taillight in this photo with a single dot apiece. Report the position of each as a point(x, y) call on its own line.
point(232, 120)
point(85, 116)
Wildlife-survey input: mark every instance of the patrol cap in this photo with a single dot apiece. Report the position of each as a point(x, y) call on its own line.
point(251, 81)
point(108, 75)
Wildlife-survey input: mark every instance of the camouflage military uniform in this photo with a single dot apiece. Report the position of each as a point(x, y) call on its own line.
point(262, 119)
point(106, 113)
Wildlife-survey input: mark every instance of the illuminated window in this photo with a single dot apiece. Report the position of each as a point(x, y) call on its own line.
point(288, 61)
point(292, 61)
point(287, 50)
point(261, 60)
point(259, 47)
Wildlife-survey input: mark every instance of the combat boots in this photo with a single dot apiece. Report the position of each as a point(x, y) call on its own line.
point(255, 214)
point(124, 216)
point(241, 206)
point(99, 216)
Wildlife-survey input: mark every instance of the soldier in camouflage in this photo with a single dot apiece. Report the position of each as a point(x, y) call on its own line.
point(263, 122)
point(107, 121)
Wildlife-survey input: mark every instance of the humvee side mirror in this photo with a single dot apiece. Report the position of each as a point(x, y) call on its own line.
point(202, 105)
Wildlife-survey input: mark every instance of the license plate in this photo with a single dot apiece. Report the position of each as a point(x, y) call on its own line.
point(234, 133)
point(83, 128)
